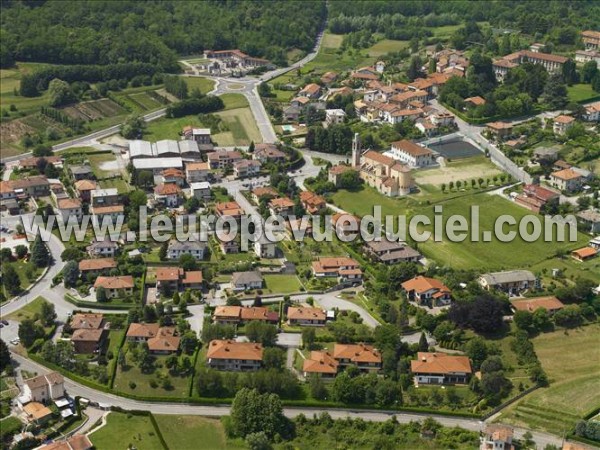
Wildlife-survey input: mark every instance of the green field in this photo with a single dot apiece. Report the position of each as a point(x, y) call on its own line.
point(331, 40)
point(234, 101)
point(121, 185)
point(570, 358)
point(10, 80)
point(204, 84)
point(28, 311)
point(581, 92)
point(386, 46)
point(126, 431)
point(188, 432)
point(282, 284)
point(463, 255)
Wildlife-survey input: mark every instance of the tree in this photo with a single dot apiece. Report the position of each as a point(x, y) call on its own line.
point(71, 254)
point(101, 296)
point(273, 358)
point(555, 92)
point(188, 262)
point(162, 252)
point(259, 440)
point(569, 72)
point(21, 251)
point(133, 127)
point(318, 390)
point(10, 279)
point(4, 356)
point(423, 344)
point(261, 332)
point(308, 337)
point(523, 319)
point(47, 314)
point(252, 412)
point(71, 273)
point(40, 256)
point(189, 342)
point(414, 68)
point(589, 71)
point(60, 93)
point(29, 331)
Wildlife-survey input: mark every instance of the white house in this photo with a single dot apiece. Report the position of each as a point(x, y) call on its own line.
point(411, 154)
point(246, 168)
point(334, 116)
point(264, 248)
point(201, 190)
point(441, 368)
point(195, 248)
point(242, 281)
point(43, 388)
point(69, 207)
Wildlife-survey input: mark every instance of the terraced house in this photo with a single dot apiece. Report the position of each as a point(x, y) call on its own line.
point(234, 356)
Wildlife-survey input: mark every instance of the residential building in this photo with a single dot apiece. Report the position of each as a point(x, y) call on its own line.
point(105, 197)
point(234, 315)
point(583, 254)
point(174, 278)
point(592, 111)
point(365, 357)
point(312, 91)
point(427, 291)
point(141, 332)
point(201, 190)
point(222, 159)
point(176, 249)
point(246, 168)
point(328, 78)
point(172, 176)
point(562, 123)
point(567, 180)
point(264, 248)
point(86, 321)
point(266, 192)
point(306, 316)
point(200, 135)
point(37, 413)
point(411, 154)
point(103, 248)
point(160, 340)
point(511, 281)
point(321, 364)
point(550, 304)
point(36, 186)
point(552, 63)
point(497, 437)
point(382, 172)
point(197, 172)
point(475, 101)
point(282, 206)
point(75, 442)
point(229, 209)
point(43, 388)
point(227, 245)
point(69, 207)
point(167, 195)
point(347, 270)
point(585, 56)
point(595, 242)
point(84, 189)
point(192, 279)
point(535, 197)
point(96, 266)
point(236, 57)
point(115, 287)
point(245, 281)
point(591, 39)
point(391, 252)
point(441, 368)
point(591, 218)
point(268, 153)
point(33, 162)
point(234, 356)
point(88, 341)
point(81, 172)
point(311, 202)
point(365, 74)
point(334, 116)
point(335, 173)
point(345, 224)
point(499, 130)
point(114, 213)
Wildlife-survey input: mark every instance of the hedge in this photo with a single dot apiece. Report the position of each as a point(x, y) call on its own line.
point(95, 305)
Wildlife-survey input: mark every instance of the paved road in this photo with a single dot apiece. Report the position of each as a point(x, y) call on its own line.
point(75, 389)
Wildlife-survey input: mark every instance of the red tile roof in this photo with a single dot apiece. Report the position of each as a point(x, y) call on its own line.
point(440, 363)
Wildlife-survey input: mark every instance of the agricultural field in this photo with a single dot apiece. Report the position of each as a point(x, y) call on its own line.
point(331, 40)
point(10, 83)
point(570, 359)
point(133, 431)
point(386, 46)
point(183, 432)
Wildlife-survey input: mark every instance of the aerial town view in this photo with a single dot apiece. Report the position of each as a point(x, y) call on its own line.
point(300, 225)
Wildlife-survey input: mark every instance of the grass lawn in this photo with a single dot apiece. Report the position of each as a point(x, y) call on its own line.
point(21, 267)
point(126, 430)
point(234, 101)
point(581, 92)
point(187, 432)
point(78, 150)
point(121, 185)
point(386, 46)
point(142, 380)
point(570, 269)
point(331, 40)
point(204, 84)
point(282, 284)
point(570, 358)
point(28, 311)
point(10, 80)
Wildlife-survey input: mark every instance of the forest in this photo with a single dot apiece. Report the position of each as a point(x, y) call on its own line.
point(107, 32)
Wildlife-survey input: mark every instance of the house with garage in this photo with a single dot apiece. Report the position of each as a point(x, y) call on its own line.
point(441, 368)
point(427, 291)
point(234, 356)
point(245, 281)
point(512, 282)
point(306, 316)
point(96, 266)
